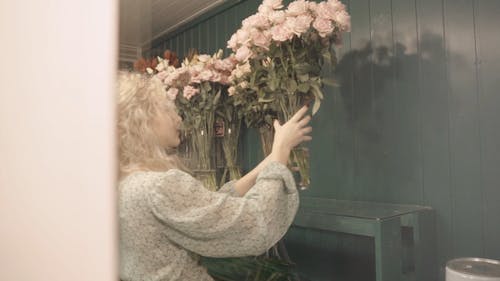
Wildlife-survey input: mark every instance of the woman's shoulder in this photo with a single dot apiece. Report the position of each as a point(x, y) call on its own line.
point(156, 177)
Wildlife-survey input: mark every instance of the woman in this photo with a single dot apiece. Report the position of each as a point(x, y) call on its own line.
point(167, 216)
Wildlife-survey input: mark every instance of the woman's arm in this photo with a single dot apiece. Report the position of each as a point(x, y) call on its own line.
point(286, 137)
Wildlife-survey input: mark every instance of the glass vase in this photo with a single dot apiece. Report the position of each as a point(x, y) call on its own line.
point(299, 157)
point(230, 148)
point(266, 133)
point(299, 162)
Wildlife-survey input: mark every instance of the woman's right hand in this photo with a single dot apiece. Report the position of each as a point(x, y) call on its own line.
point(289, 135)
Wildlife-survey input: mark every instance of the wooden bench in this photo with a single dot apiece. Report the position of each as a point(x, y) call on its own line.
point(384, 223)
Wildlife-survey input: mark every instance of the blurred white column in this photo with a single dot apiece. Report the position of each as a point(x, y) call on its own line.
point(57, 140)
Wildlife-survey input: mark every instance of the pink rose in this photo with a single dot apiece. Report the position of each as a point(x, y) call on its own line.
point(243, 54)
point(336, 5)
point(282, 32)
point(302, 24)
point(240, 70)
point(256, 21)
point(297, 8)
point(216, 77)
point(224, 79)
point(343, 20)
point(224, 65)
point(243, 36)
point(313, 6)
point(261, 38)
point(277, 17)
point(273, 4)
point(325, 11)
point(232, 43)
point(203, 58)
point(172, 93)
point(189, 92)
point(205, 75)
point(265, 10)
point(245, 68)
point(195, 78)
point(232, 59)
point(179, 78)
point(323, 26)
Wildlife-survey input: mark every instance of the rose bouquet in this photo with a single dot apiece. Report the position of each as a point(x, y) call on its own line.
point(200, 81)
point(280, 53)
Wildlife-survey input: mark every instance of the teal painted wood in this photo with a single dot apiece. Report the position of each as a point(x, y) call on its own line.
point(488, 65)
point(213, 45)
point(221, 31)
point(388, 253)
point(362, 96)
point(337, 133)
point(203, 48)
point(464, 129)
point(323, 256)
point(435, 122)
point(382, 165)
point(386, 223)
point(407, 153)
point(188, 41)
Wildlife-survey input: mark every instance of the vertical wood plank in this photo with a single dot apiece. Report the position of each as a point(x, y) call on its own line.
point(362, 101)
point(486, 27)
point(333, 131)
point(406, 157)
point(379, 173)
point(204, 41)
point(212, 35)
point(464, 128)
point(195, 38)
point(433, 83)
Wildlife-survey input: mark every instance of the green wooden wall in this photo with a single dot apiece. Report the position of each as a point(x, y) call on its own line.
point(415, 118)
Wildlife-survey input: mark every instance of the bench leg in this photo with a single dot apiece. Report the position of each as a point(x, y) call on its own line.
point(388, 250)
point(426, 265)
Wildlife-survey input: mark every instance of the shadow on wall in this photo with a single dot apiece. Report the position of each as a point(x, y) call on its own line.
point(367, 75)
point(384, 95)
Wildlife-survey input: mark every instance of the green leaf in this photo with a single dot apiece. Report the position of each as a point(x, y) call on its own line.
point(317, 91)
point(303, 88)
point(216, 98)
point(317, 104)
point(329, 82)
point(268, 118)
point(303, 77)
point(333, 57)
point(291, 85)
point(264, 100)
point(326, 55)
point(302, 68)
point(272, 83)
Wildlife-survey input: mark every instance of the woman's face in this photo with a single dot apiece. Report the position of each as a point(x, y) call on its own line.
point(167, 127)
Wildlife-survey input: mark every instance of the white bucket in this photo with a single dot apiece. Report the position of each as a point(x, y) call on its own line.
point(473, 269)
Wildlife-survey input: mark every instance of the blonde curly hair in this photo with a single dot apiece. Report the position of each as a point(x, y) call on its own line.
point(140, 98)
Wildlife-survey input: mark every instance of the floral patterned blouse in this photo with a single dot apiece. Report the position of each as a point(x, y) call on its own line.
point(167, 216)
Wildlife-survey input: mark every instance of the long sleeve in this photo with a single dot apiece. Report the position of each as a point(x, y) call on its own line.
point(217, 224)
point(228, 188)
